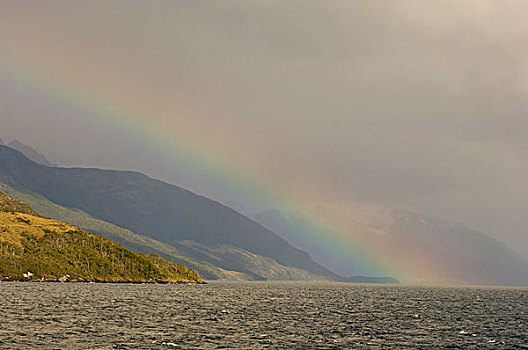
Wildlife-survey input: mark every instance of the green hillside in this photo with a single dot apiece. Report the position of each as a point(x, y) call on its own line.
point(37, 248)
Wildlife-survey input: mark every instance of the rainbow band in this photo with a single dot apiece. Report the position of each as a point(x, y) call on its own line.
point(114, 101)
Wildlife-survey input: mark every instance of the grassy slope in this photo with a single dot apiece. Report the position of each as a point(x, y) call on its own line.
point(52, 250)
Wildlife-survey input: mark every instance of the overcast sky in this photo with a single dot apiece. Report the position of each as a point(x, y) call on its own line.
point(413, 104)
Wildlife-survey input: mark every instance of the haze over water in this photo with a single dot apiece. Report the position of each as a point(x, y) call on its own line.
point(260, 315)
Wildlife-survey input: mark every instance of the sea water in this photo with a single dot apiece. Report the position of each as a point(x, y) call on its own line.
point(259, 315)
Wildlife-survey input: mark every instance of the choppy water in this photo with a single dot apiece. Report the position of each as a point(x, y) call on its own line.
point(259, 315)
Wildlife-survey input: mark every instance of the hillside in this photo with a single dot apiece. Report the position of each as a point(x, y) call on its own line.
point(160, 211)
point(37, 248)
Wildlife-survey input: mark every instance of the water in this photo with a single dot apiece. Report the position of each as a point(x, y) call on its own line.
point(259, 315)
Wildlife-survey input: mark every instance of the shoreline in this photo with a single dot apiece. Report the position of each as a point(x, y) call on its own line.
point(58, 280)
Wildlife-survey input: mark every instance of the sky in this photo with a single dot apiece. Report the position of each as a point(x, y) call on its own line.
point(419, 105)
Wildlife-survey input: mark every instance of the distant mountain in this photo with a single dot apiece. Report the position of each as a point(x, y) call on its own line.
point(308, 230)
point(457, 252)
point(198, 227)
point(305, 234)
point(1, 141)
point(34, 248)
point(431, 250)
point(29, 152)
point(295, 230)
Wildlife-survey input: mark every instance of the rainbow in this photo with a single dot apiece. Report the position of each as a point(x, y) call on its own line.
point(108, 92)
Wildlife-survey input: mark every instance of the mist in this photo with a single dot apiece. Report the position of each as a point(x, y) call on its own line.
point(401, 104)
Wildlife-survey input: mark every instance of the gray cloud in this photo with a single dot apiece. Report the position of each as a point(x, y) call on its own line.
point(410, 103)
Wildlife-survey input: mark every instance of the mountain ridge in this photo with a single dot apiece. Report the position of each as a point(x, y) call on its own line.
point(464, 255)
point(29, 152)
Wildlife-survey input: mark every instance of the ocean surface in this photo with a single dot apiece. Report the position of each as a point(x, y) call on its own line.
point(259, 315)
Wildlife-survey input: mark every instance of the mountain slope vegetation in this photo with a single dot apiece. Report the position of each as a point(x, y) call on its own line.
point(37, 248)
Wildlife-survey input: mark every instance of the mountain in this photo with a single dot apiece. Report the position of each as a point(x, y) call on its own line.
point(198, 227)
point(430, 250)
point(36, 248)
point(29, 152)
point(305, 231)
point(295, 231)
point(456, 252)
